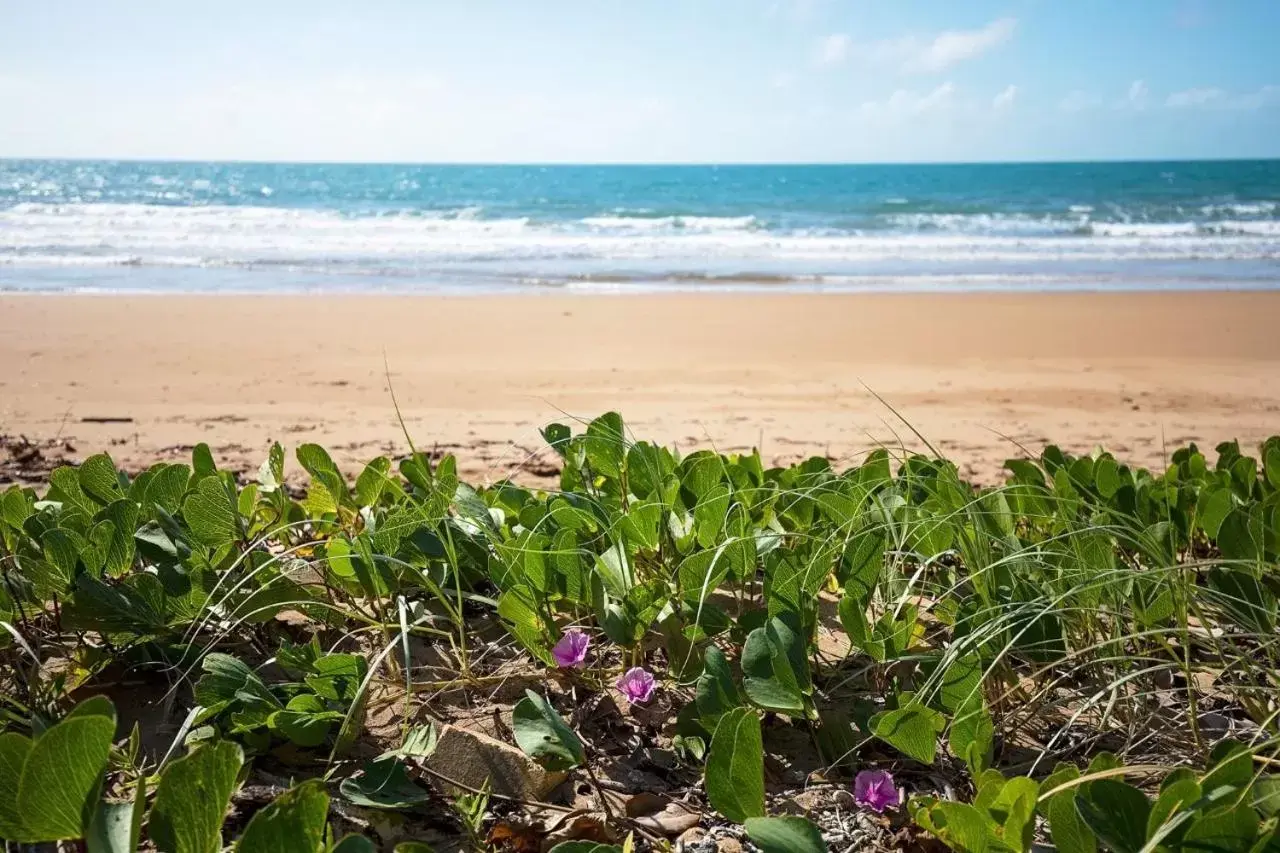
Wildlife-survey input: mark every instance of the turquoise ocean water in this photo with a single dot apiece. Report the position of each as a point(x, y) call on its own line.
point(77, 226)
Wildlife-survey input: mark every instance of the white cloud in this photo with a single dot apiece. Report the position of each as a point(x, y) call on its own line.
point(833, 49)
point(1212, 97)
point(1079, 101)
point(1004, 100)
point(948, 48)
point(914, 54)
point(1138, 92)
point(905, 103)
point(782, 80)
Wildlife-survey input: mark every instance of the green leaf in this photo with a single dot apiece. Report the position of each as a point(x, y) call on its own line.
point(1271, 465)
point(117, 827)
point(64, 485)
point(1266, 795)
point(202, 463)
point(99, 479)
point(166, 488)
point(1179, 791)
point(640, 524)
point(960, 826)
point(1230, 764)
point(716, 692)
point(293, 823)
point(384, 784)
point(614, 566)
point(1067, 828)
point(1011, 805)
point(912, 730)
point(735, 766)
point(123, 515)
point(775, 670)
point(605, 444)
point(57, 793)
point(709, 514)
point(1117, 813)
point(557, 436)
point(353, 843)
point(372, 481)
point(1240, 536)
point(518, 607)
point(1245, 597)
point(14, 749)
point(192, 797)
point(1106, 476)
point(1223, 831)
point(304, 721)
point(702, 571)
point(227, 680)
point(972, 737)
point(112, 829)
point(210, 513)
point(317, 462)
point(337, 677)
point(785, 835)
point(1212, 507)
point(543, 735)
point(271, 472)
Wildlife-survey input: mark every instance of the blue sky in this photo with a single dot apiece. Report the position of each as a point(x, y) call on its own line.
point(589, 80)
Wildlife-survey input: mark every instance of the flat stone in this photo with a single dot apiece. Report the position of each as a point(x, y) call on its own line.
point(471, 758)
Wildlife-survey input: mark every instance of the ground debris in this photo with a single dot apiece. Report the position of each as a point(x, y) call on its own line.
point(28, 462)
point(470, 759)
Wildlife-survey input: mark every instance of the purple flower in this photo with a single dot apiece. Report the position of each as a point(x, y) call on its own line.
point(875, 790)
point(571, 650)
point(637, 685)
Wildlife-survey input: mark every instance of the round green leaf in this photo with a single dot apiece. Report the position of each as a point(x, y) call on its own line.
point(785, 835)
point(543, 735)
point(191, 799)
point(735, 766)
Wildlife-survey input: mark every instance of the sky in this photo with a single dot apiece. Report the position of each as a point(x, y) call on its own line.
point(640, 81)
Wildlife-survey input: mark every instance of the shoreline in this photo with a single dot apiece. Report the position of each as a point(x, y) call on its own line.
point(789, 372)
point(747, 286)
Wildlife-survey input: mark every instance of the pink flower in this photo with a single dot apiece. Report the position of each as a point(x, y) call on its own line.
point(875, 790)
point(571, 650)
point(637, 685)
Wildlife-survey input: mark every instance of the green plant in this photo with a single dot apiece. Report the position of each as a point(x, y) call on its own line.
point(891, 612)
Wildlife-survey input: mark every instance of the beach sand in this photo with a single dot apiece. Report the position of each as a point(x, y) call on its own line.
point(977, 375)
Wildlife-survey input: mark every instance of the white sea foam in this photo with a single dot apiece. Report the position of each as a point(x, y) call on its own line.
point(669, 223)
point(1252, 208)
point(124, 235)
point(1144, 229)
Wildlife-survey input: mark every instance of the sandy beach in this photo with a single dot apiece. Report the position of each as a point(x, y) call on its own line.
point(977, 375)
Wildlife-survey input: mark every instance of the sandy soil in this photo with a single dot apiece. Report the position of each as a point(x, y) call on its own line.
point(793, 374)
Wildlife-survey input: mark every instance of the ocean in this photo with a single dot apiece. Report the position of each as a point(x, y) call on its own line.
point(109, 226)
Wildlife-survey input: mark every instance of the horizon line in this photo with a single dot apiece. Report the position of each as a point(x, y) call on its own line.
point(641, 163)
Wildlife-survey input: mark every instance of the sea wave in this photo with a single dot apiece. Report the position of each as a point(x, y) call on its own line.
point(683, 223)
point(103, 234)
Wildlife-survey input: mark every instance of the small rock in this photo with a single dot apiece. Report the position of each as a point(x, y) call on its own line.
point(811, 800)
point(471, 758)
point(690, 839)
point(728, 845)
point(669, 818)
point(844, 799)
point(663, 759)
